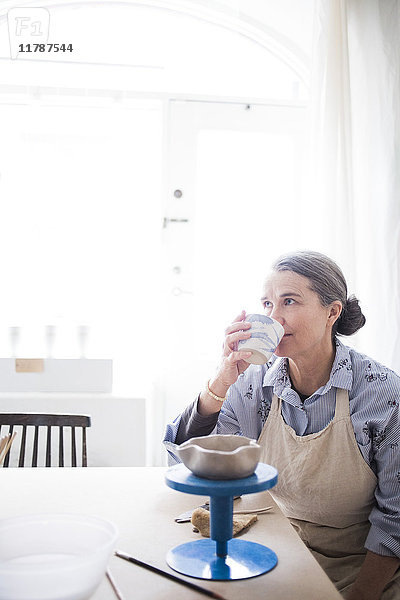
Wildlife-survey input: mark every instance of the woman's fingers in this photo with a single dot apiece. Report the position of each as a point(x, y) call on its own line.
point(235, 357)
point(236, 331)
point(231, 341)
point(241, 316)
point(238, 325)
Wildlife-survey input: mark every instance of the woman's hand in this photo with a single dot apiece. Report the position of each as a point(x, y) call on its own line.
point(375, 573)
point(232, 365)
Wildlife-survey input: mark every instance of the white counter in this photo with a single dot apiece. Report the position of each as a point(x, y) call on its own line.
point(117, 437)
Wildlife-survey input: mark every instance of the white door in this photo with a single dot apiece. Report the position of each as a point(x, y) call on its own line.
point(232, 204)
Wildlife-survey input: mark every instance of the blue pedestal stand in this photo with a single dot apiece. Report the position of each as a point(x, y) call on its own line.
point(220, 557)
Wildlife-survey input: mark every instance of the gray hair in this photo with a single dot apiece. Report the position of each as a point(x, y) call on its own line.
point(328, 281)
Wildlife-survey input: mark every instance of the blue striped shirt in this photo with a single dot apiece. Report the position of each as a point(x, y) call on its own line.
point(374, 395)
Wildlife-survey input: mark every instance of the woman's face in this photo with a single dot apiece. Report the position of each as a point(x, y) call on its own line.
point(289, 299)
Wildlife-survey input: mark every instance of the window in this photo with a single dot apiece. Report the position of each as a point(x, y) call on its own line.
point(94, 146)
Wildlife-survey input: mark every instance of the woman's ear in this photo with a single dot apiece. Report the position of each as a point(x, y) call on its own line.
point(335, 310)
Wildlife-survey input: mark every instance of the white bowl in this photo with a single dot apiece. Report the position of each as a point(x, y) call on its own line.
point(53, 556)
point(220, 456)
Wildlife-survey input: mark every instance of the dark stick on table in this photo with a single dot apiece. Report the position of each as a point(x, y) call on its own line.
point(188, 584)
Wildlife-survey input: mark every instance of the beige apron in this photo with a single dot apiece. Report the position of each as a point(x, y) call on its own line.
point(326, 489)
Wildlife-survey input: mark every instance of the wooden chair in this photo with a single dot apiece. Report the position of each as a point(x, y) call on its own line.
point(22, 421)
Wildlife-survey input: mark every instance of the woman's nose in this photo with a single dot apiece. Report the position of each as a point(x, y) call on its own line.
point(278, 317)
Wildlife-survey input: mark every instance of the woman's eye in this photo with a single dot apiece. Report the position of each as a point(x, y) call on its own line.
point(289, 301)
point(267, 304)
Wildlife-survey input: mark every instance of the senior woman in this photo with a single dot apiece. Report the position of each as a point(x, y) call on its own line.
point(326, 416)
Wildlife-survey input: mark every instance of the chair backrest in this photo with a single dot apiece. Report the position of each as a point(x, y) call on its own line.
point(22, 421)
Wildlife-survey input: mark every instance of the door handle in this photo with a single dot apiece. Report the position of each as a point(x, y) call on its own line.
point(174, 220)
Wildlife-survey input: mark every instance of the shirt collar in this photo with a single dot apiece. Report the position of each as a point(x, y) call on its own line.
point(342, 370)
point(277, 375)
point(341, 376)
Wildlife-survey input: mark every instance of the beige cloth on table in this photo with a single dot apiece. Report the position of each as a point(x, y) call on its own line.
point(326, 489)
point(201, 520)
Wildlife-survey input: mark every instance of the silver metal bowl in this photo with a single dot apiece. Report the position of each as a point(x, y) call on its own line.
point(220, 456)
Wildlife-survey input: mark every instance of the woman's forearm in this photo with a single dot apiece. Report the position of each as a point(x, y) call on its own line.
point(374, 575)
point(208, 404)
point(193, 425)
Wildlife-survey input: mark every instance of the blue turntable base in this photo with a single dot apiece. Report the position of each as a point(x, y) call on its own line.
point(220, 557)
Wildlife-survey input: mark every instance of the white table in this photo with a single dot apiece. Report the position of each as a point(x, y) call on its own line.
point(139, 502)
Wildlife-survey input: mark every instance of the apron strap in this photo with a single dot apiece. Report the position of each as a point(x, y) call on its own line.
point(276, 404)
point(342, 404)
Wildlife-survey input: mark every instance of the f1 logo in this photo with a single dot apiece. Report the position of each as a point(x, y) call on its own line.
point(27, 25)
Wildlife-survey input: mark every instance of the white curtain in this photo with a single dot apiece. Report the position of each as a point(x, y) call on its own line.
point(355, 160)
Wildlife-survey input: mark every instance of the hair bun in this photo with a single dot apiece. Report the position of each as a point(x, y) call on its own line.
point(351, 318)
